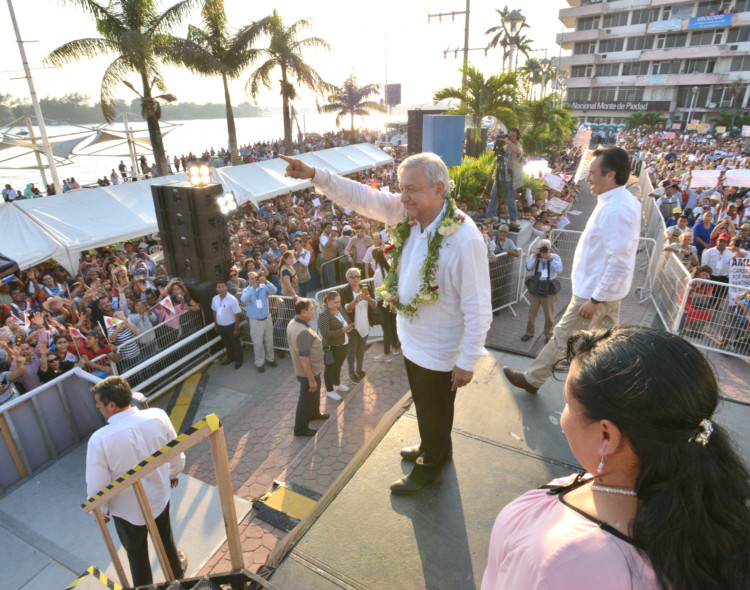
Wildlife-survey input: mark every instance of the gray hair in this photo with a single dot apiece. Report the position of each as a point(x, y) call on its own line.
point(544, 242)
point(432, 166)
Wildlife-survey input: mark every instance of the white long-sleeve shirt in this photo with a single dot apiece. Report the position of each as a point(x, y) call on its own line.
point(604, 260)
point(130, 437)
point(452, 330)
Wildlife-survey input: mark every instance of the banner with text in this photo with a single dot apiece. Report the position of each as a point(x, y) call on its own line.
point(661, 106)
point(739, 277)
point(709, 22)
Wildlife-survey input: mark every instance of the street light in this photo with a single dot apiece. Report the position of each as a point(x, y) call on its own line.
point(514, 19)
point(694, 90)
point(545, 63)
point(560, 87)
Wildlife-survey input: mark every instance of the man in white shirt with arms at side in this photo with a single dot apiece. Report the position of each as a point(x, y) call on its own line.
point(130, 437)
point(444, 339)
point(603, 264)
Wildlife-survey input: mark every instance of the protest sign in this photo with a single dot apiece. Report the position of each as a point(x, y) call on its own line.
point(554, 182)
point(704, 178)
point(739, 177)
point(316, 202)
point(557, 206)
point(739, 276)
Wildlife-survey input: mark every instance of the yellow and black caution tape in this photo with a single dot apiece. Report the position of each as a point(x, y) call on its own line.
point(212, 421)
point(99, 575)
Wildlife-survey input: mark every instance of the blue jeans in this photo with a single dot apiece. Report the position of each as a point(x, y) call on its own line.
point(510, 198)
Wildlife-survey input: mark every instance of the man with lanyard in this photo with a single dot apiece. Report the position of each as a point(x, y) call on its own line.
point(227, 315)
point(603, 264)
point(255, 297)
point(455, 303)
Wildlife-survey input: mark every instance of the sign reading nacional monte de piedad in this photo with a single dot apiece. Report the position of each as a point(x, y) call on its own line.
point(631, 106)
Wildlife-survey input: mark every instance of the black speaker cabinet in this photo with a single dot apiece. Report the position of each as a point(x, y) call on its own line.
point(193, 230)
point(414, 128)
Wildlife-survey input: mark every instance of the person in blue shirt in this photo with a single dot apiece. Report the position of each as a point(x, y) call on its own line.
point(702, 232)
point(255, 297)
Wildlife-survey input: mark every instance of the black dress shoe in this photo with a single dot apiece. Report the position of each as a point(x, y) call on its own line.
point(238, 364)
point(526, 337)
point(411, 454)
point(321, 417)
point(361, 375)
point(226, 361)
point(307, 432)
point(272, 364)
point(354, 377)
point(406, 486)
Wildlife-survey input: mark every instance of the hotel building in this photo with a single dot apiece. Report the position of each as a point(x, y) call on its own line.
point(688, 60)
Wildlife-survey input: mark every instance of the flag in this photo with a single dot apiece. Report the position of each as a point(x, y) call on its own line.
point(166, 303)
point(75, 332)
point(9, 279)
point(111, 322)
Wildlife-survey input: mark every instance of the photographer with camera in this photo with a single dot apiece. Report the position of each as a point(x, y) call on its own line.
point(543, 287)
point(508, 175)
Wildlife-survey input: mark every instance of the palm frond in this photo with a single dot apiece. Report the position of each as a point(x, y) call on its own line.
point(77, 50)
point(172, 16)
point(114, 75)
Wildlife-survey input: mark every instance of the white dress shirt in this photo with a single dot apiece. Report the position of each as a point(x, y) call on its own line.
point(451, 331)
point(225, 309)
point(718, 261)
point(604, 260)
point(130, 437)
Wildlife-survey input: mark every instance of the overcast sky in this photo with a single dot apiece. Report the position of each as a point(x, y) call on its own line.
point(355, 30)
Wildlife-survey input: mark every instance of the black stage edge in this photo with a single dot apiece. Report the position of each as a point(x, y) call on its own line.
point(505, 442)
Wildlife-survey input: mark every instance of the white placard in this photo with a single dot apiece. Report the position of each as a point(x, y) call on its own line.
point(739, 177)
point(704, 178)
point(316, 202)
point(739, 275)
point(558, 206)
point(746, 131)
point(555, 182)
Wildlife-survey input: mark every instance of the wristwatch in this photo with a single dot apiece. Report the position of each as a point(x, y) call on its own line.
point(595, 302)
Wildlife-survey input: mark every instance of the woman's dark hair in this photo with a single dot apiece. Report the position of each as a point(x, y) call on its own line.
point(379, 257)
point(330, 296)
point(693, 520)
point(97, 315)
point(615, 159)
point(286, 255)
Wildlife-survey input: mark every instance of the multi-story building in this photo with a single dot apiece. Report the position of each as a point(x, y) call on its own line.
point(689, 60)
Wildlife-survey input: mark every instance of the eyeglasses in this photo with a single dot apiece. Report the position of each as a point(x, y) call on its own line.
point(54, 360)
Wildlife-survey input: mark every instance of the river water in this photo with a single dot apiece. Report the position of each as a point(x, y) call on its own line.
point(196, 135)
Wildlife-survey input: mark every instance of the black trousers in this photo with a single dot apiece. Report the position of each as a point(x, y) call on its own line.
point(355, 356)
point(332, 372)
point(232, 344)
point(308, 404)
point(134, 539)
point(434, 402)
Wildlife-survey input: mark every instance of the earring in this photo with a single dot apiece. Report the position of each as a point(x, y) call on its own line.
point(600, 468)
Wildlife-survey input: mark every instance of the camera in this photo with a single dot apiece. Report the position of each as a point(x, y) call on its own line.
point(499, 147)
point(544, 250)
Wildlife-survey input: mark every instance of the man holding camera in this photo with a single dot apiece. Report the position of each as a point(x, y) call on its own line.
point(603, 264)
point(513, 162)
point(544, 266)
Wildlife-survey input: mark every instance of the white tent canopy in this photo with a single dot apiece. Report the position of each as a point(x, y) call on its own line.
point(63, 226)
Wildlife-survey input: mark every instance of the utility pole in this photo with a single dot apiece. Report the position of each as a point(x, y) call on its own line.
point(467, 12)
point(35, 102)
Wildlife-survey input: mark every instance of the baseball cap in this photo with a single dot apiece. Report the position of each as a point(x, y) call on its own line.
point(724, 237)
point(92, 333)
point(676, 210)
point(347, 228)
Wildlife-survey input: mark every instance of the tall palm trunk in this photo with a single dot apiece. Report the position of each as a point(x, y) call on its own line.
point(286, 114)
point(151, 111)
point(351, 132)
point(231, 129)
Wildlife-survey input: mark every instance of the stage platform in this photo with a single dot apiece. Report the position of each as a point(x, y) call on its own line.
point(505, 442)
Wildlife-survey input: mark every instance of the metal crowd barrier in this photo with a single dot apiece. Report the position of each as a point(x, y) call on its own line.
point(506, 280)
point(337, 271)
point(281, 309)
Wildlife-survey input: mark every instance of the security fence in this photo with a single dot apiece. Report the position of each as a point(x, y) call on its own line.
point(331, 272)
point(506, 279)
point(281, 309)
point(376, 332)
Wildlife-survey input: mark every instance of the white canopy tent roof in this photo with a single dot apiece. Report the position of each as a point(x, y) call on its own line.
point(63, 226)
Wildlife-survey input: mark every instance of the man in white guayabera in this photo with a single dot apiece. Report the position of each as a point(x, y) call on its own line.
point(440, 286)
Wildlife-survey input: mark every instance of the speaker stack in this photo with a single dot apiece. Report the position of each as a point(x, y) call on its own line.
point(193, 230)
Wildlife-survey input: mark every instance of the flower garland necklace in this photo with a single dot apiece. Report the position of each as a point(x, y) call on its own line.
point(427, 293)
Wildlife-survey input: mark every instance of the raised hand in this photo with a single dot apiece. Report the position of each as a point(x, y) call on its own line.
point(297, 168)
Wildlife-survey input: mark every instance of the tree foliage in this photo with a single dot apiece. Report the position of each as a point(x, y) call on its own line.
point(544, 125)
point(351, 99)
point(470, 179)
point(645, 120)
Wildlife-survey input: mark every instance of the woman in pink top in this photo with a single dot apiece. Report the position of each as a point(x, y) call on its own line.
point(664, 501)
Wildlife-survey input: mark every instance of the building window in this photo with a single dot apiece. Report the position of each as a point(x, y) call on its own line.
point(630, 93)
point(618, 19)
point(646, 16)
point(642, 42)
point(671, 40)
point(742, 6)
point(739, 35)
point(587, 23)
point(584, 47)
point(709, 6)
point(665, 67)
point(712, 37)
point(635, 68)
point(603, 93)
point(685, 97)
point(582, 71)
point(608, 69)
point(740, 64)
point(725, 96)
point(578, 94)
point(611, 45)
point(699, 66)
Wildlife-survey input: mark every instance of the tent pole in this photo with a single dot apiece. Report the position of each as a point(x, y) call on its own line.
point(37, 155)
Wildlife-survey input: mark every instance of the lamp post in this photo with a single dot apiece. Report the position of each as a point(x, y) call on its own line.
point(694, 91)
point(560, 88)
point(514, 19)
point(545, 63)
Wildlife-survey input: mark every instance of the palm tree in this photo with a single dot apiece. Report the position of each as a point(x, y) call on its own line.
point(645, 119)
point(523, 46)
point(350, 100)
point(213, 51)
point(139, 36)
point(503, 37)
point(285, 52)
point(482, 97)
point(532, 74)
point(543, 125)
